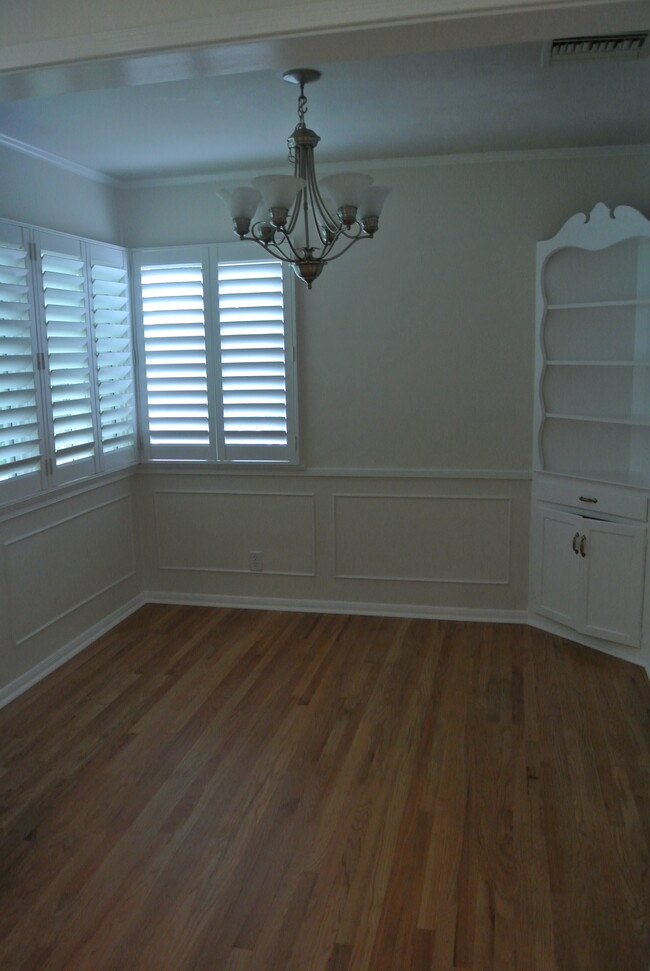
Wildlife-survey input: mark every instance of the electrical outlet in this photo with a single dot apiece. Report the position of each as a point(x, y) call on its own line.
point(255, 561)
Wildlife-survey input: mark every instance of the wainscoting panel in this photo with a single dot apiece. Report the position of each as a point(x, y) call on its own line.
point(442, 539)
point(57, 568)
point(217, 531)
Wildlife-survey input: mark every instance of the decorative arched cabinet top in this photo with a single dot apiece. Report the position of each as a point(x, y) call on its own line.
point(600, 228)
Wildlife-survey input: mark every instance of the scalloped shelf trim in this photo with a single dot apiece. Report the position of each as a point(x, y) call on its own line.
point(600, 228)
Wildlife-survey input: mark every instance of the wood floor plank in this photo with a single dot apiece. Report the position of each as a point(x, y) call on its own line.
point(231, 790)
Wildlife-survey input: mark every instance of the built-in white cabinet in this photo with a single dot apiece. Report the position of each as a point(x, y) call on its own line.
point(591, 574)
point(592, 426)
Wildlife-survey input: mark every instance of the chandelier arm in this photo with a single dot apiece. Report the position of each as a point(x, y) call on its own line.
point(319, 204)
point(297, 253)
point(287, 241)
point(272, 247)
point(274, 250)
point(353, 236)
point(342, 233)
point(330, 242)
point(305, 218)
point(295, 213)
point(353, 240)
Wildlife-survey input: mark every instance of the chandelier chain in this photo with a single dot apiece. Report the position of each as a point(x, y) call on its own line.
point(302, 105)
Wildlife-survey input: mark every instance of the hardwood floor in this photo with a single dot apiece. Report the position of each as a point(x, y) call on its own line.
point(225, 790)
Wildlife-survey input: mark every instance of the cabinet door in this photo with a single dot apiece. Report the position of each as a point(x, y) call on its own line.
point(613, 576)
point(559, 575)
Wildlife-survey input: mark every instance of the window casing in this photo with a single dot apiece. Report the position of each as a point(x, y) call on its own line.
point(216, 335)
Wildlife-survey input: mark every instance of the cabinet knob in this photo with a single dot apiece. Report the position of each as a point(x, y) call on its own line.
point(587, 499)
point(583, 544)
point(574, 544)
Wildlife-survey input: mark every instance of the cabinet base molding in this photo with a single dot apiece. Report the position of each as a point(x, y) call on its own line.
point(638, 656)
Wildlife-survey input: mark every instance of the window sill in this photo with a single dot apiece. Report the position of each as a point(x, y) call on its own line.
point(199, 467)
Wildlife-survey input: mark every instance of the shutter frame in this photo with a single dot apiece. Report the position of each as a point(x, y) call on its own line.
point(71, 392)
point(22, 446)
point(256, 357)
point(171, 315)
point(110, 294)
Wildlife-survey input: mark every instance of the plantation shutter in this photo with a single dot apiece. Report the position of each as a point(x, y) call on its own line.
point(217, 354)
point(21, 447)
point(69, 363)
point(172, 309)
point(109, 287)
point(256, 362)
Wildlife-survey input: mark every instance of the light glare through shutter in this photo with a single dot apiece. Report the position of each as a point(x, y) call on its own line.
point(175, 356)
point(68, 352)
point(253, 360)
point(20, 449)
point(114, 357)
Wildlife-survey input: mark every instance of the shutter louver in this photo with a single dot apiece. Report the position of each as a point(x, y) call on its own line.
point(253, 360)
point(114, 359)
point(173, 321)
point(68, 353)
point(20, 445)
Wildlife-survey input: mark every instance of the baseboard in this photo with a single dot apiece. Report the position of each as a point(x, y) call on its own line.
point(340, 607)
point(15, 688)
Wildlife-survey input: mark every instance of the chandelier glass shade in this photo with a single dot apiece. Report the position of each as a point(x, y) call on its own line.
point(306, 224)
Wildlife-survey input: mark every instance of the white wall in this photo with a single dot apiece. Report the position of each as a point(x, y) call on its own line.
point(68, 565)
point(416, 348)
point(415, 369)
point(33, 190)
point(69, 568)
point(423, 546)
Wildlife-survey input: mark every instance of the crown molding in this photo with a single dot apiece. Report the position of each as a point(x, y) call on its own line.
point(62, 163)
point(423, 161)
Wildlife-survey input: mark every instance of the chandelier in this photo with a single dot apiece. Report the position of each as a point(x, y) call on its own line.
point(301, 227)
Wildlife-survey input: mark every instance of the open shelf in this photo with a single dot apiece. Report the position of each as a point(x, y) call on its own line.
point(597, 304)
point(593, 368)
point(598, 276)
point(551, 362)
point(636, 420)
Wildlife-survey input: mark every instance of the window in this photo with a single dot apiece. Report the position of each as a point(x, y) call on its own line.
point(67, 401)
point(216, 336)
point(216, 329)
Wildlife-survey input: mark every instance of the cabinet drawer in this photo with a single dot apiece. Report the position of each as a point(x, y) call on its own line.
point(609, 500)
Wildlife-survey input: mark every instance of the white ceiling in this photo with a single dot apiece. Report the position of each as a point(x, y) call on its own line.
point(476, 100)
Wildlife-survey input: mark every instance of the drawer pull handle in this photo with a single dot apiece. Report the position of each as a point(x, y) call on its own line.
point(583, 542)
point(574, 544)
point(587, 499)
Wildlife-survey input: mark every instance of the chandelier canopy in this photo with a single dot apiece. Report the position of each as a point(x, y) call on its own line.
point(306, 225)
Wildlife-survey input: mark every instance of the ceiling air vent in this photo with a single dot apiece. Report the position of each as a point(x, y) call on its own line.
point(613, 47)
